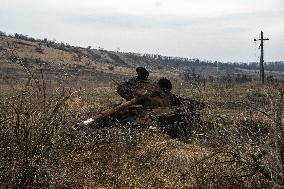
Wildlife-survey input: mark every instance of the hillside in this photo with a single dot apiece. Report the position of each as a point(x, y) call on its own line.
point(86, 64)
point(233, 139)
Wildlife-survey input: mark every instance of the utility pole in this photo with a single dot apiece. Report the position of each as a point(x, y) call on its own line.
point(217, 68)
point(261, 63)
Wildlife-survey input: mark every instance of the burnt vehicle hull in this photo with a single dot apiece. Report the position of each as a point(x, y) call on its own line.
point(151, 104)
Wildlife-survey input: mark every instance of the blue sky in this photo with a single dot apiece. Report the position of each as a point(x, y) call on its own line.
point(220, 30)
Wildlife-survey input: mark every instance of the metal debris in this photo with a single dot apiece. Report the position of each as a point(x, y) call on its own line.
point(151, 104)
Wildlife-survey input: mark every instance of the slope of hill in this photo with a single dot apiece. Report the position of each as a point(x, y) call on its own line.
point(53, 86)
point(74, 63)
point(63, 60)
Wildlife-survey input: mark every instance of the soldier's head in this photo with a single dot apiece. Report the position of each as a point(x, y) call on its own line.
point(165, 84)
point(142, 73)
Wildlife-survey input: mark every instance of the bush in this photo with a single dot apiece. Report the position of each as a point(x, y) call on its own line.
point(31, 123)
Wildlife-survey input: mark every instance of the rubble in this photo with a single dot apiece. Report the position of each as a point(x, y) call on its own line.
point(151, 104)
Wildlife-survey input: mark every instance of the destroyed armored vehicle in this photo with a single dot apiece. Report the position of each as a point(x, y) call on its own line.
point(151, 104)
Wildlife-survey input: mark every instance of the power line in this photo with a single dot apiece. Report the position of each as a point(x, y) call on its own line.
point(261, 63)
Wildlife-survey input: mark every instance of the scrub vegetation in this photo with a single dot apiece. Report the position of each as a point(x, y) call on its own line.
point(45, 91)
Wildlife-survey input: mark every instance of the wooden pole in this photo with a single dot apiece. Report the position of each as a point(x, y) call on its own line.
point(261, 59)
point(261, 63)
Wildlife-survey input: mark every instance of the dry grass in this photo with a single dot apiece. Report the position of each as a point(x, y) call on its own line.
point(27, 50)
point(39, 147)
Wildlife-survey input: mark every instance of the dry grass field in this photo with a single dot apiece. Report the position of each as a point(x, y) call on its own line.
point(39, 147)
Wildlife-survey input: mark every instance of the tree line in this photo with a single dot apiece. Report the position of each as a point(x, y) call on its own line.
point(179, 62)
